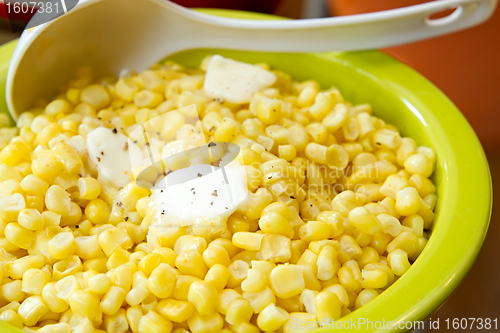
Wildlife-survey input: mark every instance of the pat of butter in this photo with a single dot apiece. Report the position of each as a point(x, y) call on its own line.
point(235, 81)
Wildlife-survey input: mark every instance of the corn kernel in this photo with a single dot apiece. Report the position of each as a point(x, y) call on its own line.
point(152, 322)
point(174, 310)
point(287, 280)
point(32, 309)
point(162, 280)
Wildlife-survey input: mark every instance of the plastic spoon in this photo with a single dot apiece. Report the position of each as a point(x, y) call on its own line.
point(116, 35)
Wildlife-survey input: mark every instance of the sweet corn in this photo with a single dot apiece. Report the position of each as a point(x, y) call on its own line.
point(89, 257)
point(212, 323)
point(287, 280)
point(276, 248)
point(32, 309)
point(152, 322)
point(162, 280)
point(34, 280)
point(260, 299)
point(398, 261)
point(362, 219)
point(239, 311)
point(174, 310)
point(112, 300)
point(218, 276)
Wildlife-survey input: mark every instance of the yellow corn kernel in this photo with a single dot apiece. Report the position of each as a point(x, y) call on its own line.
point(181, 287)
point(275, 223)
point(98, 283)
point(30, 219)
point(269, 110)
point(33, 185)
point(369, 255)
point(276, 248)
point(66, 267)
point(239, 311)
point(10, 206)
point(212, 323)
point(204, 297)
point(113, 300)
point(84, 304)
point(260, 299)
point(218, 276)
point(390, 224)
point(57, 106)
point(67, 157)
point(407, 201)
point(386, 138)
point(255, 280)
point(248, 240)
point(112, 238)
point(226, 296)
point(328, 306)
point(419, 164)
point(287, 152)
point(271, 318)
point(34, 280)
point(95, 95)
point(374, 279)
point(11, 317)
point(347, 280)
point(226, 132)
point(116, 323)
point(406, 241)
point(327, 263)
point(57, 200)
point(134, 315)
point(19, 236)
point(11, 291)
point(191, 263)
point(216, 255)
point(89, 188)
point(152, 322)
point(364, 297)
point(97, 211)
point(136, 295)
point(147, 99)
point(66, 287)
point(314, 230)
point(188, 242)
point(174, 310)
point(398, 261)
point(162, 280)
point(364, 220)
point(130, 194)
point(32, 309)
point(238, 271)
point(287, 280)
point(62, 245)
point(416, 223)
point(349, 249)
point(87, 247)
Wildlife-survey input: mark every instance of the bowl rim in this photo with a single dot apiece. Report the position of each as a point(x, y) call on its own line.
point(467, 172)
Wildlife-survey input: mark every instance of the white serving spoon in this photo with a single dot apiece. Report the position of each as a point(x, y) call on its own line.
point(116, 35)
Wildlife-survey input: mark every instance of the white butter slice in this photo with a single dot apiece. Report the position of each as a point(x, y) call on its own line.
point(109, 151)
point(235, 81)
point(206, 199)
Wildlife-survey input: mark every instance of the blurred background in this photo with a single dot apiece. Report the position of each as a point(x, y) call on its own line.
point(464, 65)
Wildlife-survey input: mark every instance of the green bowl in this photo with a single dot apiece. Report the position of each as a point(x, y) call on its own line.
point(402, 97)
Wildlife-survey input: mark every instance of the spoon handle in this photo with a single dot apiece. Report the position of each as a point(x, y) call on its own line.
point(345, 33)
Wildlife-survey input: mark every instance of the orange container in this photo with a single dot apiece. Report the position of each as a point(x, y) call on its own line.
point(465, 65)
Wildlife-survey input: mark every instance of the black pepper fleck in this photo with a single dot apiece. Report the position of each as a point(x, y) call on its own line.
point(212, 144)
point(200, 175)
point(126, 218)
point(214, 193)
point(292, 197)
point(98, 159)
point(115, 130)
